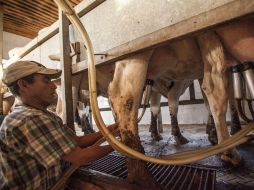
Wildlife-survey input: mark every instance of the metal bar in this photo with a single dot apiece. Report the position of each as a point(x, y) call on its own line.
point(173, 177)
point(160, 171)
point(103, 162)
point(206, 180)
point(119, 169)
point(110, 169)
point(179, 178)
point(185, 179)
point(213, 179)
point(156, 169)
point(201, 180)
point(124, 173)
point(192, 179)
point(165, 171)
point(149, 165)
point(172, 169)
point(153, 166)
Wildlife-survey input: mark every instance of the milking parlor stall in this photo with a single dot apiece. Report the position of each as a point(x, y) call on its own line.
point(153, 54)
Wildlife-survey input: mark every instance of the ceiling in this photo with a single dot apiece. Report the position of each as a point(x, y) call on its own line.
point(27, 17)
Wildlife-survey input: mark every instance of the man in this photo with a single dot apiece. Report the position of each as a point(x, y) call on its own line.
point(35, 146)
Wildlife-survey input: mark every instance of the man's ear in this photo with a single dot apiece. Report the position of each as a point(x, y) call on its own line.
point(22, 84)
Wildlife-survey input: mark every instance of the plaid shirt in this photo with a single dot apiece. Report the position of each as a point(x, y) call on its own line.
point(32, 144)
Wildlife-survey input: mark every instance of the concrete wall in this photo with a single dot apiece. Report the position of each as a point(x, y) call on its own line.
point(118, 21)
point(11, 41)
point(115, 22)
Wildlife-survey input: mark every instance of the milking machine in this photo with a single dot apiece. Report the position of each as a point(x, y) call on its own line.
point(243, 84)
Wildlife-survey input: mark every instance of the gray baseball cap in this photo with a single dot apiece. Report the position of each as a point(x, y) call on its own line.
point(21, 69)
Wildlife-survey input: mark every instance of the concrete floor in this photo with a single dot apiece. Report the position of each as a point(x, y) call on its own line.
point(227, 178)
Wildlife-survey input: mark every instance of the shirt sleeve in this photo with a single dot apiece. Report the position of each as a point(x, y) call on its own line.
point(45, 140)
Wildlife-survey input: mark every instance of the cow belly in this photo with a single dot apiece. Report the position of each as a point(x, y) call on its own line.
point(177, 61)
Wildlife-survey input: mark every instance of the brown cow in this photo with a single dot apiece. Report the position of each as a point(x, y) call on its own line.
point(180, 60)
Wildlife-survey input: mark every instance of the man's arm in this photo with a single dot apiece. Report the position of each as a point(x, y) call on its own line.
point(90, 139)
point(87, 139)
point(79, 156)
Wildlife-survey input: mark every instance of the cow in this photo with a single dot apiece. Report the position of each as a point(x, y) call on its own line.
point(172, 91)
point(80, 88)
point(180, 60)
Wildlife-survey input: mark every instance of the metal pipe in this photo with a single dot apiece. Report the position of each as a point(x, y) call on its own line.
point(247, 71)
point(237, 81)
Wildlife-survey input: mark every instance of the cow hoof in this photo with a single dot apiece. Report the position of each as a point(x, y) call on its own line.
point(156, 137)
point(213, 139)
point(234, 130)
point(232, 157)
point(180, 140)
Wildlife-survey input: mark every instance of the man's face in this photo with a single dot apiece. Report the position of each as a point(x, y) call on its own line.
point(42, 90)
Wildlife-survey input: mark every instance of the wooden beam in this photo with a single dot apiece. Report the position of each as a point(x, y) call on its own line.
point(38, 5)
point(30, 12)
point(17, 31)
point(66, 81)
point(81, 9)
point(13, 22)
point(208, 20)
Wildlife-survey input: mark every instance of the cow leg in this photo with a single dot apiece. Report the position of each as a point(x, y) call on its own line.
point(210, 125)
point(125, 95)
point(155, 108)
point(175, 131)
point(173, 102)
point(159, 123)
point(84, 118)
point(179, 138)
point(235, 121)
point(211, 130)
point(215, 87)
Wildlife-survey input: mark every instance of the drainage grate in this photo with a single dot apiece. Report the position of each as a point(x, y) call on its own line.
point(171, 177)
